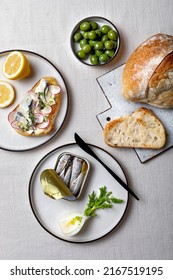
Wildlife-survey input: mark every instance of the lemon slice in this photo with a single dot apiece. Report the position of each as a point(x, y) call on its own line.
point(16, 66)
point(7, 94)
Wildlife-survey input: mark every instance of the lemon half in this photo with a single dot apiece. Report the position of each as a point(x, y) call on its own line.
point(7, 94)
point(16, 66)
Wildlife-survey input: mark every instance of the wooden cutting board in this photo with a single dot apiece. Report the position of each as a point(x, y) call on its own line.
point(111, 85)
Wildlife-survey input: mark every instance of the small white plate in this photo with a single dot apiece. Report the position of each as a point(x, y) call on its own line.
point(100, 21)
point(48, 211)
point(40, 67)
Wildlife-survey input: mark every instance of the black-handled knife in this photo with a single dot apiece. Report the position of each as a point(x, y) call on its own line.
point(84, 146)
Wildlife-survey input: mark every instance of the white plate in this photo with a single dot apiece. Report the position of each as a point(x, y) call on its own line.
point(40, 67)
point(48, 211)
point(100, 21)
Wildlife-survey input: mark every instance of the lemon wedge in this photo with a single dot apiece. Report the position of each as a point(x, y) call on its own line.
point(16, 66)
point(7, 94)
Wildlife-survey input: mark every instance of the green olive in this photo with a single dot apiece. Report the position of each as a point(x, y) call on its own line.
point(94, 59)
point(85, 26)
point(104, 38)
point(77, 37)
point(109, 45)
point(98, 46)
point(103, 58)
point(110, 53)
point(114, 43)
point(92, 43)
point(81, 54)
point(99, 33)
point(98, 53)
point(112, 34)
point(94, 25)
point(83, 42)
point(85, 35)
point(86, 48)
point(92, 35)
point(105, 28)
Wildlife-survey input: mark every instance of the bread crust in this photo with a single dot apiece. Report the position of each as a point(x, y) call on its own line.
point(150, 61)
point(52, 115)
point(161, 70)
point(135, 131)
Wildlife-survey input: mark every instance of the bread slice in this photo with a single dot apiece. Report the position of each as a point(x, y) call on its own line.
point(35, 114)
point(141, 129)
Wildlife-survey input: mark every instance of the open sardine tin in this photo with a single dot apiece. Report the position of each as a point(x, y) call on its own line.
point(73, 170)
point(67, 179)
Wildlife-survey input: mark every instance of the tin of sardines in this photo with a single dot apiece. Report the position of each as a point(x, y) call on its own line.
point(73, 170)
point(67, 179)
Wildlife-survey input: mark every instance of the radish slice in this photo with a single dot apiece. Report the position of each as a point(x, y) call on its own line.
point(11, 116)
point(14, 125)
point(38, 118)
point(33, 95)
point(43, 125)
point(37, 107)
point(54, 89)
point(37, 110)
point(46, 110)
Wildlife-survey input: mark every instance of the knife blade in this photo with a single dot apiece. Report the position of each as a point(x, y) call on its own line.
point(85, 147)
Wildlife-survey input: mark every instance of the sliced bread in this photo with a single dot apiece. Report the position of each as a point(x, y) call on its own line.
point(141, 129)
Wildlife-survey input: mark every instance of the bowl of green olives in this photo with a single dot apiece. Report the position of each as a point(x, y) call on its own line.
point(95, 41)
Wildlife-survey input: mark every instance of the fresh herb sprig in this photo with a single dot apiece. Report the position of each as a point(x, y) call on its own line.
point(102, 201)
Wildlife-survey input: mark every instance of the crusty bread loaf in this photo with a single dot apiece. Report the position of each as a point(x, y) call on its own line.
point(148, 73)
point(141, 129)
point(35, 114)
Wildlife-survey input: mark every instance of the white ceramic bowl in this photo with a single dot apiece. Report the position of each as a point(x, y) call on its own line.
point(75, 46)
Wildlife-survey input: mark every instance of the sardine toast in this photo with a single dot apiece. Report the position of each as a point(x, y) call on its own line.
point(35, 114)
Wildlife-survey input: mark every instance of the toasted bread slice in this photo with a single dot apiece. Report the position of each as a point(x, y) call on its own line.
point(141, 129)
point(35, 114)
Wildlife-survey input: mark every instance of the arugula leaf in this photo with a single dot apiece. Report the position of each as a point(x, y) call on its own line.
point(102, 201)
